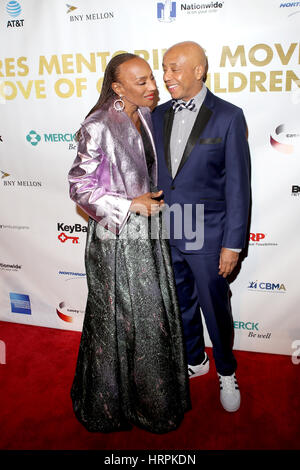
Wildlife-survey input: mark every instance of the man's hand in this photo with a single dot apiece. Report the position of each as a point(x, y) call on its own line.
point(146, 205)
point(228, 261)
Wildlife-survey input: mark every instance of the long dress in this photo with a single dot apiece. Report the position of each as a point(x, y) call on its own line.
point(131, 367)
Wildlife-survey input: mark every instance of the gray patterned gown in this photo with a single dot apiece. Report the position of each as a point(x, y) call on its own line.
point(131, 367)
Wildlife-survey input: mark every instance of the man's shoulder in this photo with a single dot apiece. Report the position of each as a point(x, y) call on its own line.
point(162, 108)
point(223, 105)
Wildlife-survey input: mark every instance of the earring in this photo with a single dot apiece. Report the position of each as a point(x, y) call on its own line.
point(119, 104)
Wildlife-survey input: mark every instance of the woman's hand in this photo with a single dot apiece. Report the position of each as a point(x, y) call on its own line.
point(146, 204)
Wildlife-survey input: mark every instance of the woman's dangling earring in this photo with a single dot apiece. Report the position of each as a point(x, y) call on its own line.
point(119, 104)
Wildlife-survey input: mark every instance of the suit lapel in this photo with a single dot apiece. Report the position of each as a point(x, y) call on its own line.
point(199, 125)
point(168, 123)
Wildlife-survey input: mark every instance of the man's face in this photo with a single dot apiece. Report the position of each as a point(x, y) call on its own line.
point(181, 75)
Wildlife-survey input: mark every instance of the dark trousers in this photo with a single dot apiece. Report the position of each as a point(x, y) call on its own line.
point(199, 285)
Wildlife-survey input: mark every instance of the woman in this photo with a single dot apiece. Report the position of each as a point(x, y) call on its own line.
point(131, 368)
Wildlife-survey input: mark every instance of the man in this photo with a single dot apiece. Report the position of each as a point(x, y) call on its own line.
point(203, 161)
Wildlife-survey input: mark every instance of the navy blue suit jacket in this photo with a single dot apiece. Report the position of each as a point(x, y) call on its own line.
point(214, 171)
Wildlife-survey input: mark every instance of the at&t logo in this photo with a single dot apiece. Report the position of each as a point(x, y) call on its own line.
point(14, 9)
point(266, 286)
point(166, 11)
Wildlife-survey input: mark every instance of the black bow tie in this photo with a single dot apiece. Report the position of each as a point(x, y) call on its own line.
point(179, 105)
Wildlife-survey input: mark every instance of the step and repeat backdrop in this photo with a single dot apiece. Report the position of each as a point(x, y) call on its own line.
point(52, 60)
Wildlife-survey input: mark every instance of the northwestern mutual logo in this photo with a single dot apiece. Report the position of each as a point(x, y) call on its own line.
point(166, 11)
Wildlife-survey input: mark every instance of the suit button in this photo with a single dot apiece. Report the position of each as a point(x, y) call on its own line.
point(172, 187)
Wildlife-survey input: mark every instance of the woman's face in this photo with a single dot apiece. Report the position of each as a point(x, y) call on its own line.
point(136, 83)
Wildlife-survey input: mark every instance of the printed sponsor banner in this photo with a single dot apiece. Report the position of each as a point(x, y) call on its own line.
point(47, 86)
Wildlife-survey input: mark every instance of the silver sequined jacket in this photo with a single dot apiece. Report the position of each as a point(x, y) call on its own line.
point(110, 167)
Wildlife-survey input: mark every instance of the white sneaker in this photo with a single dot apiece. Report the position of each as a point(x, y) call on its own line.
point(230, 396)
point(200, 369)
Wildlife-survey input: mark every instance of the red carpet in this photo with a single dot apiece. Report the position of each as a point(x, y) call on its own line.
point(36, 411)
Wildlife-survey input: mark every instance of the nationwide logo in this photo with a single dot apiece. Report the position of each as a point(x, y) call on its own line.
point(76, 228)
point(34, 138)
point(71, 274)
point(258, 239)
point(10, 267)
point(270, 287)
point(14, 9)
point(295, 190)
point(284, 140)
point(206, 7)
point(67, 313)
point(20, 303)
point(19, 183)
point(166, 11)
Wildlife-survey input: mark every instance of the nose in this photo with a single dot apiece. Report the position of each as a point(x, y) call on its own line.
point(167, 75)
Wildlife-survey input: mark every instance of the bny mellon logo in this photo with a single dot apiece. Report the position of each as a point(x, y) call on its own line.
point(4, 174)
point(70, 8)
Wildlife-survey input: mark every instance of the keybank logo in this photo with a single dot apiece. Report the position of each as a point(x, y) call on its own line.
point(34, 138)
point(267, 287)
point(166, 11)
point(13, 9)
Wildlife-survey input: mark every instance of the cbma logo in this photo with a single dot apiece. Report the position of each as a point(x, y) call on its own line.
point(266, 286)
point(166, 11)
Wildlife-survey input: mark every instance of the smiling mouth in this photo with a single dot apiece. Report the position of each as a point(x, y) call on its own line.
point(171, 87)
point(150, 97)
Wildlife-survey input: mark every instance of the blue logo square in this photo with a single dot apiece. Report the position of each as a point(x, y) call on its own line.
point(20, 303)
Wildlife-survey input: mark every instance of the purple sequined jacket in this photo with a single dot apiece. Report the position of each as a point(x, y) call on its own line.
point(110, 167)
